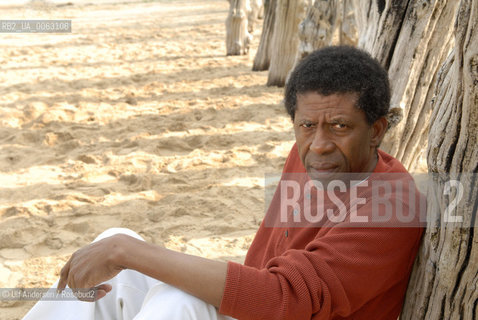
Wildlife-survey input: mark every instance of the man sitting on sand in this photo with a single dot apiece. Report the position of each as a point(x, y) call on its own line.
point(331, 268)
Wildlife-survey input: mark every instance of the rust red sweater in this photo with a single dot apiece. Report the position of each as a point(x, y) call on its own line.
point(323, 272)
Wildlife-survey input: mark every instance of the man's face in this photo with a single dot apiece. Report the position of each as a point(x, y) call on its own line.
point(333, 136)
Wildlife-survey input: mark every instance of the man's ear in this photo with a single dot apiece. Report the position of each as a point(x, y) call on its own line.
point(379, 127)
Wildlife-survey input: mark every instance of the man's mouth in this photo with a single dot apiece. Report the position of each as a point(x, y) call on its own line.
point(322, 171)
point(323, 167)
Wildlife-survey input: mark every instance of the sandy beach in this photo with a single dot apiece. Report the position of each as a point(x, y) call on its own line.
point(136, 119)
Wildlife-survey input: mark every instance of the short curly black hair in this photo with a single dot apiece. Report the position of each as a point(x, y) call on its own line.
point(341, 69)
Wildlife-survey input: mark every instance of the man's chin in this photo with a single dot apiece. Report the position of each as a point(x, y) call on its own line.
point(324, 178)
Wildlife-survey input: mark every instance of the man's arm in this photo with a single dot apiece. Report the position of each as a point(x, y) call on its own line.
point(104, 259)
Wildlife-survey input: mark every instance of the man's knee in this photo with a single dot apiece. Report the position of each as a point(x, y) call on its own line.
point(167, 302)
point(112, 231)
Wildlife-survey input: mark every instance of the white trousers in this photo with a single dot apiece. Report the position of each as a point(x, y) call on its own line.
point(134, 296)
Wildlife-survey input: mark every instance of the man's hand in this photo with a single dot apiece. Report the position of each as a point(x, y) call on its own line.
point(92, 265)
point(104, 259)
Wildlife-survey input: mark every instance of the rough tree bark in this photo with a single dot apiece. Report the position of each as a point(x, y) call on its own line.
point(263, 55)
point(423, 44)
point(325, 19)
point(237, 36)
point(285, 40)
point(379, 24)
point(348, 28)
point(411, 39)
point(444, 282)
point(317, 29)
point(321, 22)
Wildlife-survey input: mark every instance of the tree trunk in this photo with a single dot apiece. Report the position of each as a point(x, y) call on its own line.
point(379, 24)
point(254, 12)
point(424, 42)
point(348, 28)
point(237, 36)
point(263, 55)
point(411, 39)
point(285, 40)
point(317, 29)
point(327, 22)
point(444, 281)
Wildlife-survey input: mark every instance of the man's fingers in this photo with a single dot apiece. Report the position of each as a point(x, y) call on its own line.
point(71, 281)
point(63, 277)
point(102, 290)
point(105, 286)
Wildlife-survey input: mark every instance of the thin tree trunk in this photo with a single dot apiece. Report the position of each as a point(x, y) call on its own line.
point(348, 29)
point(254, 12)
point(444, 281)
point(237, 36)
point(325, 20)
point(285, 40)
point(317, 29)
point(263, 55)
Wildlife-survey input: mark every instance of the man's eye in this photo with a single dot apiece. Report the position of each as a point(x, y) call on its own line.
point(307, 125)
point(339, 126)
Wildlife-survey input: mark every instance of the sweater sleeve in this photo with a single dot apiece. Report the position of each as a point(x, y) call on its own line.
point(334, 275)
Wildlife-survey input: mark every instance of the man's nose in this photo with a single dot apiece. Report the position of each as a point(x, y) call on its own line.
point(322, 143)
